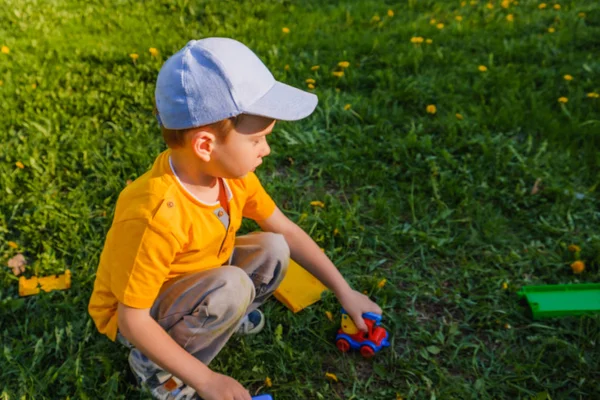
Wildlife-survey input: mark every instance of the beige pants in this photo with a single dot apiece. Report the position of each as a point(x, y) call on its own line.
point(201, 310)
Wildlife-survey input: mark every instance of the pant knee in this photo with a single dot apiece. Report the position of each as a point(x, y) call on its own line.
point(236, 294)
point(277, 248)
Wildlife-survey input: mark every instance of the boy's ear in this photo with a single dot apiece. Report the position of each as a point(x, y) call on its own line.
point(203, 144)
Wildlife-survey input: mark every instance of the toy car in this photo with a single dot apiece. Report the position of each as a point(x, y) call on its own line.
point(368, 343)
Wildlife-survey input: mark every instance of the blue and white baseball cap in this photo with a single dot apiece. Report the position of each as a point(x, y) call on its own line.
point(217, 78)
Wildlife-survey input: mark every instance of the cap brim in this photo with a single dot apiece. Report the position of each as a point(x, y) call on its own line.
point(284, 102)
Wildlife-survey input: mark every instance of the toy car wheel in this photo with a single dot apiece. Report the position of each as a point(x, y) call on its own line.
point(343, 345)
point(367, 351)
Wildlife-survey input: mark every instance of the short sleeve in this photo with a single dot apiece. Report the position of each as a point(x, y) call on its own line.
point(259, 205)
point(140, 256)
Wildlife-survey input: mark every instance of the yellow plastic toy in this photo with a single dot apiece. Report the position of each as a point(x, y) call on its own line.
point(348, 325)
point(299, 289)
point(31, 286)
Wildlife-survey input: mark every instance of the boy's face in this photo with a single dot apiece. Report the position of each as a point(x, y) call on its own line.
point(243, 149)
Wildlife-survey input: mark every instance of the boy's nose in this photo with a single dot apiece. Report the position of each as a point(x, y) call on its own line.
point(266, 150)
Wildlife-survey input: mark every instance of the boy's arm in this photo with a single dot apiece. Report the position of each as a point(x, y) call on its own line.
point(308, 254)
point(151, 339)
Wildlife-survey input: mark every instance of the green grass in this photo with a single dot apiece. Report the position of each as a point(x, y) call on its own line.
point(440, 207)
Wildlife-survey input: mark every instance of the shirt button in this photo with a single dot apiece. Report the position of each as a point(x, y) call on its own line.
point(170, 204)
point(220, 213)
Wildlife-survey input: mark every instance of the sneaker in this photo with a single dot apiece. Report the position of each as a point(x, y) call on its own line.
point(252, 323)
point(161, 384)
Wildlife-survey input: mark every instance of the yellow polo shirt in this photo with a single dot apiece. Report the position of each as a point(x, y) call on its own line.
point(161, 231)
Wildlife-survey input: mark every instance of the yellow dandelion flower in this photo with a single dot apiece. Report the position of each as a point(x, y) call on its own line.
point(338, 74)
point(542, 6)
point(5, 50)
point(573, 248)
point(285, 30)
point(336, 232)
point(551, 30)
point(431, 109)
point(440, 26)
point(310, 80)
point(463, 3)
point(268, 382)
point(568, 77)
point(505, 3)
point(578, 267)
point(347, 107)
point(432, 21)
point(390, 13)
point(416, 39)
point(459, 116)
point(315, 67)
point(19, 164)
point(303, 216)
point(581, 15)
point(317, 203)
point(376, 18)
point(287, 67)
point(490, 6)
point(311, 86)
point(329, 315)
point(381, 283)
point(563, 100)
point(458, 18)
point(428, 41)
point(343, 64)
point(557, 6)
point(331, 377)
point(504, 286)
point(34, 85)
point(510, 18)
point(134, 56)
point(13, 245)
point(473, 2)
point(1, 83)
point(593, 95)
point(482, 68)
point(153, 51)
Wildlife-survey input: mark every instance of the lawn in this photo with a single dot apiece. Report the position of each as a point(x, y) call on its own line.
point(455, 153)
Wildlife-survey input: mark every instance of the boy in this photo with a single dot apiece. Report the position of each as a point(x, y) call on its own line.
point(174, 283)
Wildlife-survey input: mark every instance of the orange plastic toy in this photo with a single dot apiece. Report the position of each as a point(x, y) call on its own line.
point(31, 286)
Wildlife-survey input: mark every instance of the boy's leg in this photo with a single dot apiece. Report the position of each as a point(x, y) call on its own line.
point(200, 311)
point(264, 256)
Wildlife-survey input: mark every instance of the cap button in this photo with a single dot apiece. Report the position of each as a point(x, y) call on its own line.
point(170, 204)
point(220, 213)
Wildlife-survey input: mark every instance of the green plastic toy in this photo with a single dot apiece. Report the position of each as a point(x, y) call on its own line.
point(560, 300)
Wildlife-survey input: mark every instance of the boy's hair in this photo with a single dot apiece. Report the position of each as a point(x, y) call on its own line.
point(175, 138)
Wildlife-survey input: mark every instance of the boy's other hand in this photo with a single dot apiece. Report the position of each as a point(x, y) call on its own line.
point(222, 387)
point(356, 304)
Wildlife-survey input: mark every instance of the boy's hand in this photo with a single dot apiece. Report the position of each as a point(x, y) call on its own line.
point(222, 387)
point(356, 304)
